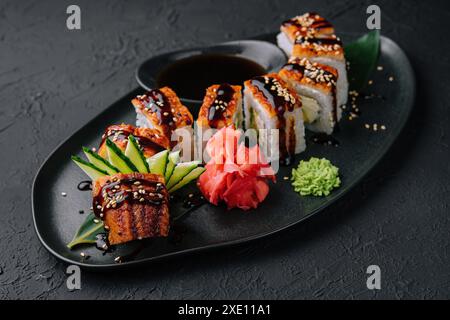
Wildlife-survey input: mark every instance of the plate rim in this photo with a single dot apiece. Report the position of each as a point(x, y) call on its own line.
point(145, 261)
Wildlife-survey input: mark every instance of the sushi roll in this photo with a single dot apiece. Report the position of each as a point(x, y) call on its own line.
point(161, 109)
point(132, 206)
point(327, 50)
point(315, 83)
point(269, 103)
point(150, 140)
point(292, 28)
point(222, 107)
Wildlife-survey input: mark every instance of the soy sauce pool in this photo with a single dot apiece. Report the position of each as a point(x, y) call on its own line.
point(191, 76)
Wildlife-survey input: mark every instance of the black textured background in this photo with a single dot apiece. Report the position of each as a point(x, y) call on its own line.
point(53, 80)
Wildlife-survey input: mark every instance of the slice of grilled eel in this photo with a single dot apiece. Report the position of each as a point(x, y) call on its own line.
point(133, 206)
point(151, 141)
point(222, 107)
point(161, 109)
point(292, 28)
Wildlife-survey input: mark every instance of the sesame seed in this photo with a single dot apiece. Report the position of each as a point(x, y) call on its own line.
point(63, 194)
point(286, 178)
point(367, 126)
point(380, 68)
point(96, 221)
point(370, 82)
point(118, 259)
point(383, 127)
point(391, 78)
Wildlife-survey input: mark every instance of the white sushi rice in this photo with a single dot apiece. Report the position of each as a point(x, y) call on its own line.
point(342, 81)
point(269, 145)
point(142, 121)
point(324, 122)
point(285, 43)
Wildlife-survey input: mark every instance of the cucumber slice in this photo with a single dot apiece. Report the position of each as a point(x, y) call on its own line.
point(134, 153)
point(99, 162)
point(191, 176)
point(118, 159)
point(174, 158)
point(92, 171)
point(158, 162)
point(181, 170)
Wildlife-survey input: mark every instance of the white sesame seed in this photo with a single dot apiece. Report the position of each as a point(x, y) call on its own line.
point(63, 194)
point(391, 78)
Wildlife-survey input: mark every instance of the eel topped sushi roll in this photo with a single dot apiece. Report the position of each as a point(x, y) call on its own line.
point(326, 50)
point(292, 28)
point(222, 107)
point(151, 141)
point(133, 206)
point(269, 103)
point(161, 109)
point(315, 83)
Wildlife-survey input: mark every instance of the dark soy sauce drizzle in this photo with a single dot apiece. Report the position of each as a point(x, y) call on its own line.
point(157, 102)
point(194, 200)
point(190, 76)
point(323, 40)
point(102, 243)
point(216, 111)
point(125, 194)
point(319, 23)
point(267, 86)
point(85, 185)
point(324, 139)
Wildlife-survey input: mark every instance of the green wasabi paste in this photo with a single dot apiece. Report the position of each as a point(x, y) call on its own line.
point(316, 177)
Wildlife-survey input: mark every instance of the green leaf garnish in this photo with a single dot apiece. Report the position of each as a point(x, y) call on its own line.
point(363, 56)
point(87, 232)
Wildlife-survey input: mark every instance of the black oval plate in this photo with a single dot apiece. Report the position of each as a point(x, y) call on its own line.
point(56, 218)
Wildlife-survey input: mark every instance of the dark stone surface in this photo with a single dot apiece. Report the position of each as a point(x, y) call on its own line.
point(52, 81)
